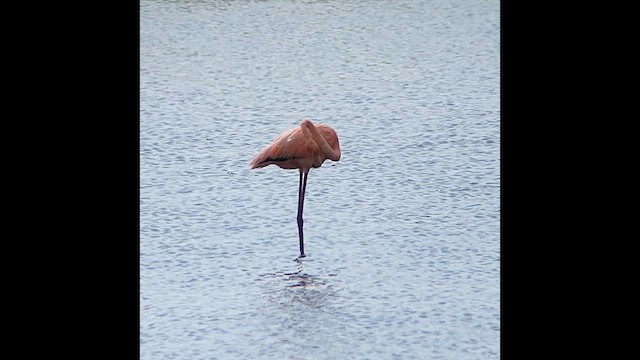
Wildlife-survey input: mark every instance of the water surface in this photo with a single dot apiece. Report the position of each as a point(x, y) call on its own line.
point(401, 235)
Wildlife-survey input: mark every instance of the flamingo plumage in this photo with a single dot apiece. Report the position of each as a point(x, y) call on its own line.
point(304, 147)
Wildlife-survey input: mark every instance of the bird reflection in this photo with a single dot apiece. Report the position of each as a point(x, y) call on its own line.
point(302, 279)
point(298, 291)
point(302, 290)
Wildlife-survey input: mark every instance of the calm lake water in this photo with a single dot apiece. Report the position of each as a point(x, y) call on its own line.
point(402, 235)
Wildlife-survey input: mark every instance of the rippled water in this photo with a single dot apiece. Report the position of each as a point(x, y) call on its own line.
point(401, 235)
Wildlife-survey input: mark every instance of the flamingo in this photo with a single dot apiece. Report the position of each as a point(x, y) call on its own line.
point(304, 147)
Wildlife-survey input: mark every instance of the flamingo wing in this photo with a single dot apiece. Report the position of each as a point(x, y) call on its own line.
point(290, 145)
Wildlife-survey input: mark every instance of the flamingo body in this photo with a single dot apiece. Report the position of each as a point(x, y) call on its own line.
point(290, 150)
point(304, 147)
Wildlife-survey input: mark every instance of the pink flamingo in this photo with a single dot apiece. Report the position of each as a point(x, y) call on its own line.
point(301, 148)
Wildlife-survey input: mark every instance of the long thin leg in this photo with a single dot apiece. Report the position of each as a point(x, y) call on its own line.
point(301, 190)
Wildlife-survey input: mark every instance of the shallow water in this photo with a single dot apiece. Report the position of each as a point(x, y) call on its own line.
point(401, 235)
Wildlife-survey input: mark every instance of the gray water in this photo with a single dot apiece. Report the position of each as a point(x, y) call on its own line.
point(402, 234)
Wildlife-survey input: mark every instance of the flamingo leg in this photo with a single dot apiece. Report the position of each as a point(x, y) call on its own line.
point(301, 190)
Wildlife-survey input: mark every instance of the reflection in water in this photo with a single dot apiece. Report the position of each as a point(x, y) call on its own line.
point(298, 307)
point(301, 289)
point(306, 290)
point(300, 278)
